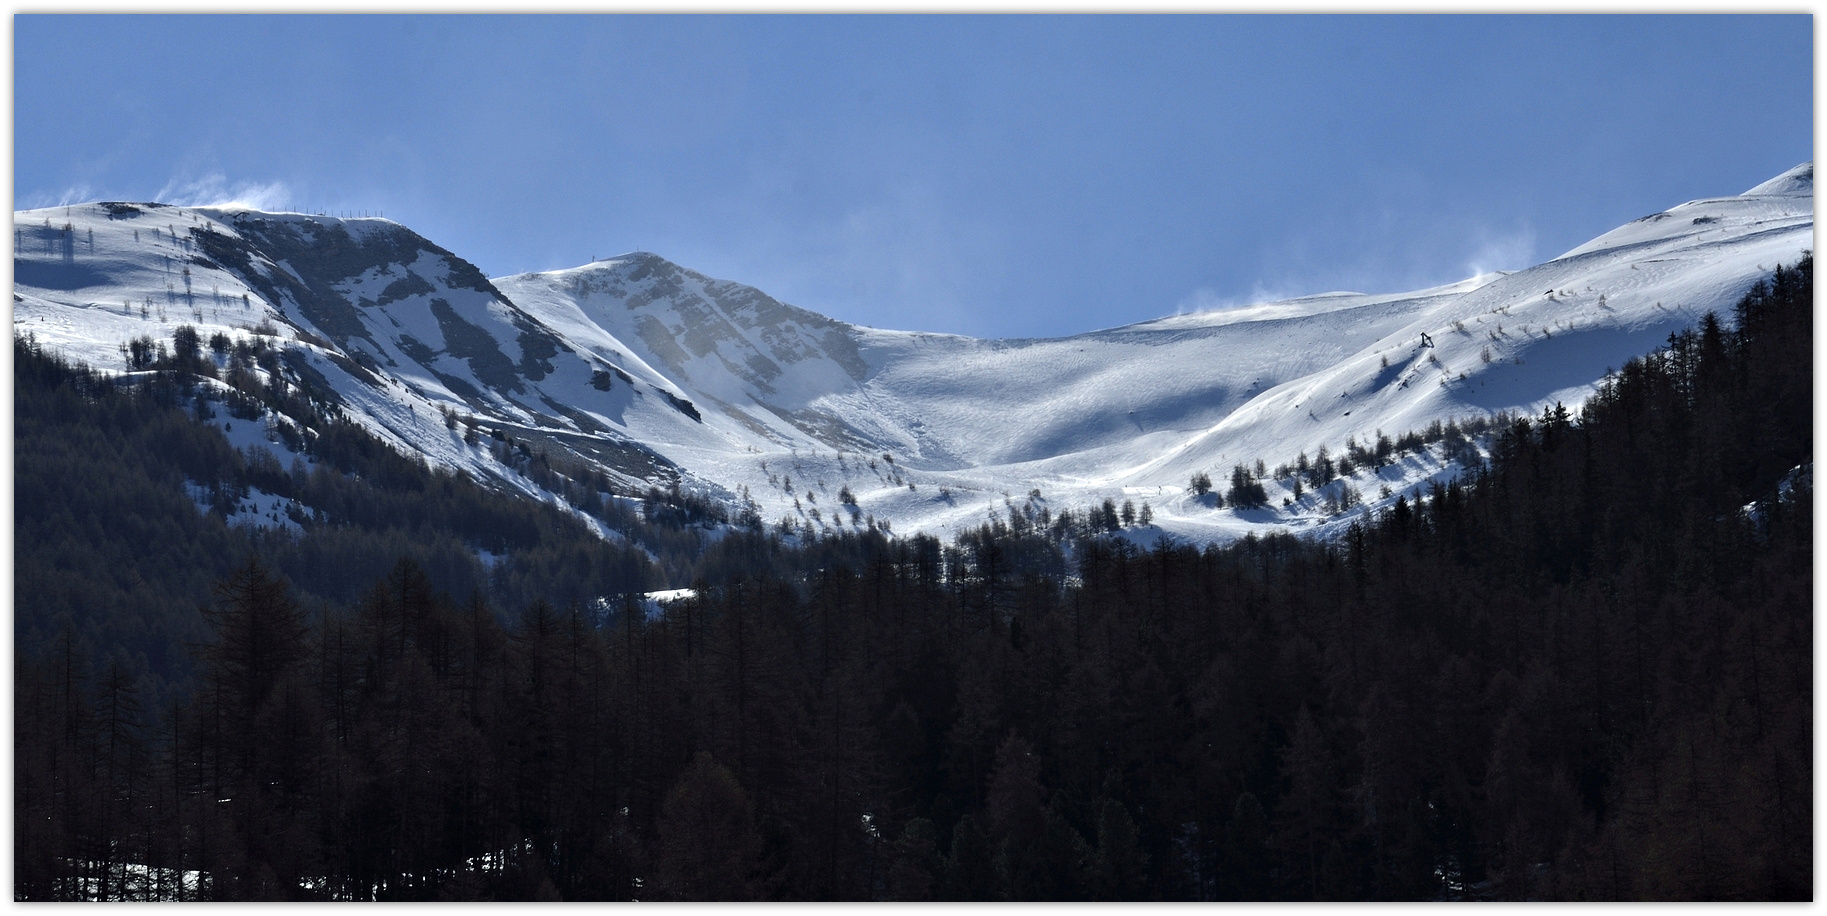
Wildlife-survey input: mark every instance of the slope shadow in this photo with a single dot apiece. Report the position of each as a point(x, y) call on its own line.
point(56, 275)
point(1570, 360)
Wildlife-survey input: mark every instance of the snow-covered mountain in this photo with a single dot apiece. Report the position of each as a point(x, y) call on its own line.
point(650, 372)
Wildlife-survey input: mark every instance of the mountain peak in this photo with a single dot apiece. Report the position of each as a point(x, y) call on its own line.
point(1797, 182)
point(628, 259)
point(651, 371)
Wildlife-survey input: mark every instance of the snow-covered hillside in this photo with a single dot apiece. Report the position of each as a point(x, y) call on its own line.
point(652, 372)
point(372, 316)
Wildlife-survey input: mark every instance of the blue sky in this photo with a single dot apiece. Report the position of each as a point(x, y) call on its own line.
point(989, 175)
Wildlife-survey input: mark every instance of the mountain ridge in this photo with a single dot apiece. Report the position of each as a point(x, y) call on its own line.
point(653, 373)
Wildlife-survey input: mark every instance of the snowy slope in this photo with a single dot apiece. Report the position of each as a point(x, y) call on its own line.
point(649, 370)
point(1134, 412)
point(390, 326)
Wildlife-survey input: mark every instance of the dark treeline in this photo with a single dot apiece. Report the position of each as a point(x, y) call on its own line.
point(110, 473)
point(1585, 672)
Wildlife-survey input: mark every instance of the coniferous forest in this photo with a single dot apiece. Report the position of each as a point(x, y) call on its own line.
point(1583, 671)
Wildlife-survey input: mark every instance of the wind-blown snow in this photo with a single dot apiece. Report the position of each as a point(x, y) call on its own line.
point(739, 392)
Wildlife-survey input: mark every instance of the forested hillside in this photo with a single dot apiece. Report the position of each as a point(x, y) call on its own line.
point(131, 501)
point(1583, 672)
